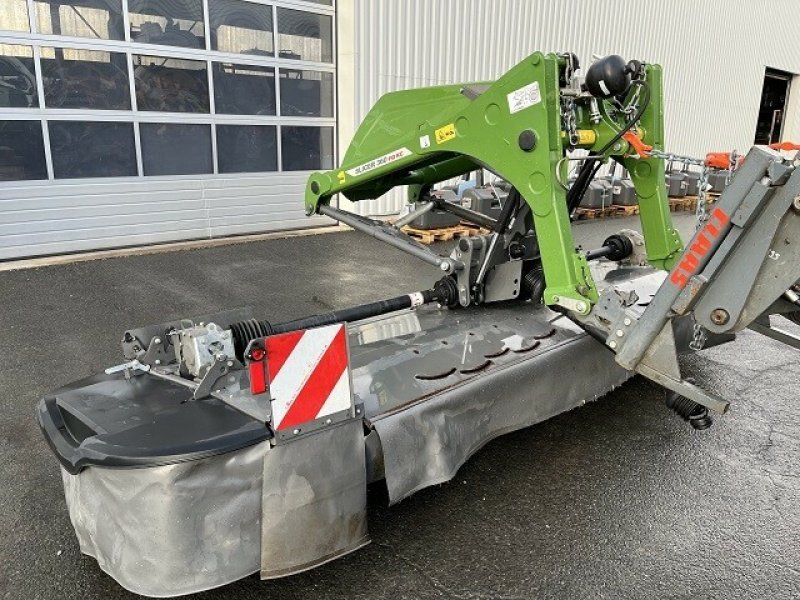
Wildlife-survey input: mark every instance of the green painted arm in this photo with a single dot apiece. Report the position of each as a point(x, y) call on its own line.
point(428, 135)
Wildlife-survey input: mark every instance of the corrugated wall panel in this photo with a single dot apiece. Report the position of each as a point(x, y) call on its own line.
point(713, 52)
point(54, 217)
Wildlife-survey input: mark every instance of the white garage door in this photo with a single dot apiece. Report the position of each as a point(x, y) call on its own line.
point(126, 122)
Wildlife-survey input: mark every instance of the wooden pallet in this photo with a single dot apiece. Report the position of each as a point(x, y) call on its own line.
point(429, 236)
point(625, 211)
point(585, 214)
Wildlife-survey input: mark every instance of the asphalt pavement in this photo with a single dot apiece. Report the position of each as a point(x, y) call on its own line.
point(617, 499)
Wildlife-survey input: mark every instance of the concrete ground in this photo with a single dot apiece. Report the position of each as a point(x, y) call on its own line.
point(618, 499)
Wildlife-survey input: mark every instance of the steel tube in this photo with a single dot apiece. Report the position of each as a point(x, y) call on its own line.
point(447, 265)
point(413, 215)
point(467, 214)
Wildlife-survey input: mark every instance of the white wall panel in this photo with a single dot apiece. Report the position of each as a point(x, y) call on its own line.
point(714, 54)
point(53, 217)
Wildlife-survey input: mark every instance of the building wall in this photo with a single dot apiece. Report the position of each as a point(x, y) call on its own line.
point(127, 122)
point(714, 54)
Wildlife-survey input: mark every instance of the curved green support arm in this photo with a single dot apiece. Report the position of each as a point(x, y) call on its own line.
point(512, 127)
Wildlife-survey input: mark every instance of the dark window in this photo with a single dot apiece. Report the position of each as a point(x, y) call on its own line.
point(325, 2)
point(98, 19)
point(247, 148)
point(96, 149)
point(241, 27)
point(17, 77)
point(168, 22)
point(14, 15)
point(21, 151)
point(305, 36)
point(170, 84)
point(307, 148)
point(173, 149)
point(244, 89)
point(306, 93)
point(85, 79)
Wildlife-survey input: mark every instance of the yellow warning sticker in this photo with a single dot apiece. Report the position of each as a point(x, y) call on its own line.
point(446, 133)
point(341, 176)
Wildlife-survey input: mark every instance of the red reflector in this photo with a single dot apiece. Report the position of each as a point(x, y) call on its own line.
point(258, 377)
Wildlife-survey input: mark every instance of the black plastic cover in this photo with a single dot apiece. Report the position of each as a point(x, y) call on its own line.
point(111, 421)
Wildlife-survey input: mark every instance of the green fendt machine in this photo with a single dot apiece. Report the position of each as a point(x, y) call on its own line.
point(227, 444)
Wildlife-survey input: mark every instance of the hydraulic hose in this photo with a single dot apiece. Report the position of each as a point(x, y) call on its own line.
point(591, 166)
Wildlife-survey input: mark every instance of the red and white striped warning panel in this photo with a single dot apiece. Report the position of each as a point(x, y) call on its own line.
point(308, 374)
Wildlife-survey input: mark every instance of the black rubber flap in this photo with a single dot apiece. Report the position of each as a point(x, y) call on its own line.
point(146, 421)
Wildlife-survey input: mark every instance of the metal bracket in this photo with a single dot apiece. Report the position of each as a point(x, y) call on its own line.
point(221, 366)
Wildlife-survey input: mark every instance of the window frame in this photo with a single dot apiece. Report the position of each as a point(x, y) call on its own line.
point(208, 56)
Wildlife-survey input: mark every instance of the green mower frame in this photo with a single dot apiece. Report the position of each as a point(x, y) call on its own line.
point(512, 127)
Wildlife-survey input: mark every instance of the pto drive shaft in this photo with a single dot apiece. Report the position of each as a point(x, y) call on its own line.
point(246, 331)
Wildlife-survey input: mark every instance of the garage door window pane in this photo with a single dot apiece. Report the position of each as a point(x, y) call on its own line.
point(97, 149)
point(244, 89)
point(247, 148)
point(98, 19)
point(307, 148)
point(85, 79)
point(17, 77)
point(172, 149)
point(21, 151)
point(305, 36)
point(306, 93)
point(168, 22)
point(170, 84)
point(241, 27)
point(14, 15)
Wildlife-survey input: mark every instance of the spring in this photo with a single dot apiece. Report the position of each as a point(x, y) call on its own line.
point(689, 410)
point(246, 331)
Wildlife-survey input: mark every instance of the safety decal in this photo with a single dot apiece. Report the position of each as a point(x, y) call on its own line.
point(425, 141)
point(341, 177)
point(524, 97)
point(446, 133)
point(308, 374)
point(379, 162)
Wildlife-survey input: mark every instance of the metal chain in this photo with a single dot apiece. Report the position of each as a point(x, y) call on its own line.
point(702, 184)
point(570, 120)
point(699, 337)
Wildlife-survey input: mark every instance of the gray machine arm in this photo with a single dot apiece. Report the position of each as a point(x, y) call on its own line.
point(734, 273)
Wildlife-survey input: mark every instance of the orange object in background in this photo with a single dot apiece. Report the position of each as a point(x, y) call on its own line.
point(787, 146)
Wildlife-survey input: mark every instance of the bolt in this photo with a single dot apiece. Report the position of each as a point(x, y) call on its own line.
point(556, 299)
point(296, 432)
point(157, 340)
point(719, 316)
point(583, 290)
point(220, 357)
point(612, 344)
point(328, 421)
point(230, 363)
point(796, 203)
point(580, 306)
point(627, 321)
point(158, 361)
point(444, 266)
point(358, 411)
point(620, 333)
